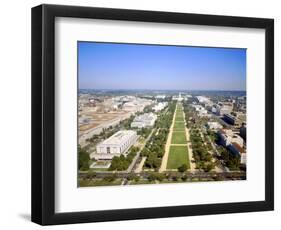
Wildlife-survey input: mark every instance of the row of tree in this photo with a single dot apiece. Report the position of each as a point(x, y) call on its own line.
point(155, 147)
point(144, 132)
point(231, 161)
point(165, 119)
point(155, 176)
point(83, 159)
point(203, 159)
point(122, 162)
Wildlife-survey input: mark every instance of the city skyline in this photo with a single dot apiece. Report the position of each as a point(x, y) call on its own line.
point(112, 66)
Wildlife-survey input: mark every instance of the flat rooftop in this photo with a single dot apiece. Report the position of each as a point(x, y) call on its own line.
point(119, 137)
point(145, 117)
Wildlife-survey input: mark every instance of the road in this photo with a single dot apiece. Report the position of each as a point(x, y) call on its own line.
point(220, 165)
point(132, 166)
point(237, 175)
point(139, 164)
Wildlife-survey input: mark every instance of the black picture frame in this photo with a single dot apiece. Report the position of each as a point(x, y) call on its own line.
point(43, 114)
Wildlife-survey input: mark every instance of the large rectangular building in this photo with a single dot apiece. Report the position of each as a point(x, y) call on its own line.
point(160, 106)
point(237, 149)
point(230, 119)
point(227, 137)
point(144, 121)
point(234, 120)
point(234, 143)
point(116, 145)
point(222, 108)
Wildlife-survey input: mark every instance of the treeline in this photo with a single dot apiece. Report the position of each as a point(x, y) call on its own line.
point(122, 162)
point(189, 115)
point(126, 124)
point(208, 137)
point(203, 159)
point(144, 132)
point(155, 147)
point(165, 119)
point(83, 159)
point(230, 160)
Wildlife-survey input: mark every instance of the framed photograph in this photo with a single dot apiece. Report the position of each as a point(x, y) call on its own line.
point(142, 114)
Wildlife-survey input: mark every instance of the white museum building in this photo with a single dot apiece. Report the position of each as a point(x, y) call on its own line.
point(144, 121)
point(116, 145)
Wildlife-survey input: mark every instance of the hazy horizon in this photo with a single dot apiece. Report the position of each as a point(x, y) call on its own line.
point(112, 66)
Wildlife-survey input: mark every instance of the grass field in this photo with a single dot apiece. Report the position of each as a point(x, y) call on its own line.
point(179, 126)
point(178, 138)
point(179, 116)
point(179, 113)
point(179, 119)
point(178, 155)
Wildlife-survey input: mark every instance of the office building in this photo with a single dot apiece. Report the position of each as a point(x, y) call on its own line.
point(233, 142)
point(230, 119)
point(227, 137)
point(223, 108)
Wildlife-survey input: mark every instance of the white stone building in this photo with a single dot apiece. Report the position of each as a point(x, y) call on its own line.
point(115, 145)
point(160, 106)
point(201, 111)
point(214, 125)
point(177, 97)
point(223, 108)
point(203, 99)
point(144, 121)
point(136, 104)
point(160, 97)
point(234, 143)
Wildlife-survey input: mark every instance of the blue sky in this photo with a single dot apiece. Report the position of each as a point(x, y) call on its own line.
point(132, 66)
